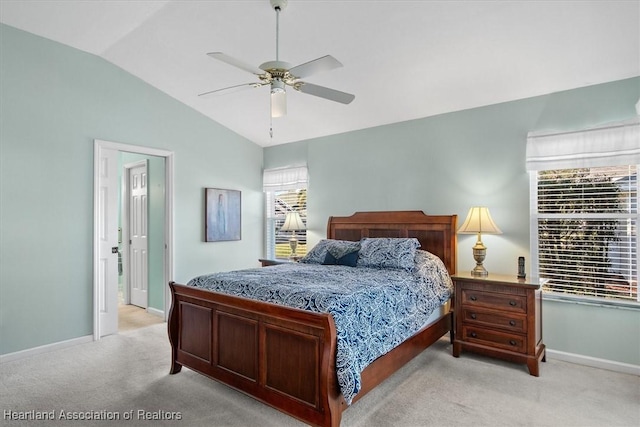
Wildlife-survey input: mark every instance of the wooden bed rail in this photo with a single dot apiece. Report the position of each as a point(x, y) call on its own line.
point(281, 356)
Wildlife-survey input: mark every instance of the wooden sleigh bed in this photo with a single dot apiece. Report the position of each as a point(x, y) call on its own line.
point(285, 357)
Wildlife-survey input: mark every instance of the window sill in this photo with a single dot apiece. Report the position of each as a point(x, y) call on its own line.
point(583, 300)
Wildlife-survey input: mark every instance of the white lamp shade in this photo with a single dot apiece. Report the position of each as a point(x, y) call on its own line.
point(293, 222)
point(479, 221)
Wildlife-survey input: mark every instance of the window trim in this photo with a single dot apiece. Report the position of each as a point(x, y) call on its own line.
point(592, 301)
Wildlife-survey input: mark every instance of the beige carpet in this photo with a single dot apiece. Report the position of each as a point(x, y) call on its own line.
point(127, 375)
point(133, 317)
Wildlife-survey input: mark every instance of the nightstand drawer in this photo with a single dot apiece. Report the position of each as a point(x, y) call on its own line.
point(515, 322)
point(494, 339)
point(505, 302)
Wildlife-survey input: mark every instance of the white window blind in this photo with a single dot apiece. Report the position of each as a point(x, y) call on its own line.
point(584, 211)
point(283, 179)
point(285, 191)
point(614, 144)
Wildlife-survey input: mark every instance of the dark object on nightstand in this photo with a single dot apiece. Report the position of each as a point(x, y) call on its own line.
point(521, 273)
point(499, 317)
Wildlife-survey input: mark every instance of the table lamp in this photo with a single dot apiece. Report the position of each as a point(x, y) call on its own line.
point(293, 222)
point(479, 221)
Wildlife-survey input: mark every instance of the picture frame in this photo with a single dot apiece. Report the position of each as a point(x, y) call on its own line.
point(222, 215)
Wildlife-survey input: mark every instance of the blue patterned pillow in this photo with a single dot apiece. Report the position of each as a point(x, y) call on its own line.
point(350, 259)
point(388, 252)
point(338, 249)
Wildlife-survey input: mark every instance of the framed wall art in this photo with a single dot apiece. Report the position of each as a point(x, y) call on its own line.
point(222, 215)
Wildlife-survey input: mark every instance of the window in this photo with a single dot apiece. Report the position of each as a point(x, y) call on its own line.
point(587, 231)
point(584, 211)
point(285, 191)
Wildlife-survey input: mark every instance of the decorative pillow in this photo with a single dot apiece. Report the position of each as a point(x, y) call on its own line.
point(338, 249)
point(388, 252)
point(350, 259)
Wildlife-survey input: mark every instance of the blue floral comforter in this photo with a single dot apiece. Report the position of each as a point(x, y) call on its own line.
point(374, 309)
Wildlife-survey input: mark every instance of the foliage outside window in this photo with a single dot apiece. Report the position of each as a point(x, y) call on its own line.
point(586, 221)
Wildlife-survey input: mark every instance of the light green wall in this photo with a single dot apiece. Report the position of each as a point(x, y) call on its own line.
point(54, 101)
point(448, 163)
point(609, 333)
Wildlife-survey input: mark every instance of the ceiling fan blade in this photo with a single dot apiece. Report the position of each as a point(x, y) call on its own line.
point(324, 63)
point(230, 88)
point(324, 92)
point(236, 63)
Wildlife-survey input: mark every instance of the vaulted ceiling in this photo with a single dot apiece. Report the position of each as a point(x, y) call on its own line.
point(402, 59)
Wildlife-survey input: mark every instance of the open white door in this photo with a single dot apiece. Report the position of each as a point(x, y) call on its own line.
point(107, 244)
point(138, 233)
point(105, 231)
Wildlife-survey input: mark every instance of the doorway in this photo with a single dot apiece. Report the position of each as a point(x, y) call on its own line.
point(109, 178)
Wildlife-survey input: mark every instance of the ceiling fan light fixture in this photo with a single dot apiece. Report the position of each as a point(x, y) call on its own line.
point(277, 85)
point(278, 98)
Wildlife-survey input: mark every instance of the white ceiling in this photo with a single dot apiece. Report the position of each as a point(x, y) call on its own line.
point(402, 59)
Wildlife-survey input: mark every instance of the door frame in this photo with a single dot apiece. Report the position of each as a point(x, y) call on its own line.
point(168, 225)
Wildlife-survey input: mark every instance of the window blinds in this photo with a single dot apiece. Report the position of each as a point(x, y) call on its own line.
point(610, 145)
point(284, 179)
point(586, 230)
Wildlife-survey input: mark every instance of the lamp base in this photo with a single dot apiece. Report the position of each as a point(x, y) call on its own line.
point(293, 243)
point(479, 253)
point(479, 271)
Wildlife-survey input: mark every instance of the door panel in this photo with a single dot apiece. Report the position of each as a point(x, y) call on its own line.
point(107, 265)
point(138, 236)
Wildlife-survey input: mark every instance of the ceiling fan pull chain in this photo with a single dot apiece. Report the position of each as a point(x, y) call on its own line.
point(271, 128)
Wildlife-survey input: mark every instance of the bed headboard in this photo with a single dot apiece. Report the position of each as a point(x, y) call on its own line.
point(436, 233)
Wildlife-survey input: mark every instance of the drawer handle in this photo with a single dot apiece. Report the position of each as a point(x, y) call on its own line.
point(512, 303)
point(473, 298)
point(473, 315)
point(512, 342)
point(512, 322)
point(474, 335)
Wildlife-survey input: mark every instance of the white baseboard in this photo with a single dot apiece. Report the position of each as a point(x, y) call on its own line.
point(44, 348)
point(594, 362)
point(155, 312)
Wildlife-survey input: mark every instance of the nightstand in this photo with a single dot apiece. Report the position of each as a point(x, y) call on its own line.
point(270, 262)
point(499, 316)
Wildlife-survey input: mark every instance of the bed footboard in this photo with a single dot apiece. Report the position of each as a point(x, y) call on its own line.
point(281, 356)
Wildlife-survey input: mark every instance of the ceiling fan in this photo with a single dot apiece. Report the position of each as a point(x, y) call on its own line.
point(279, 74)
